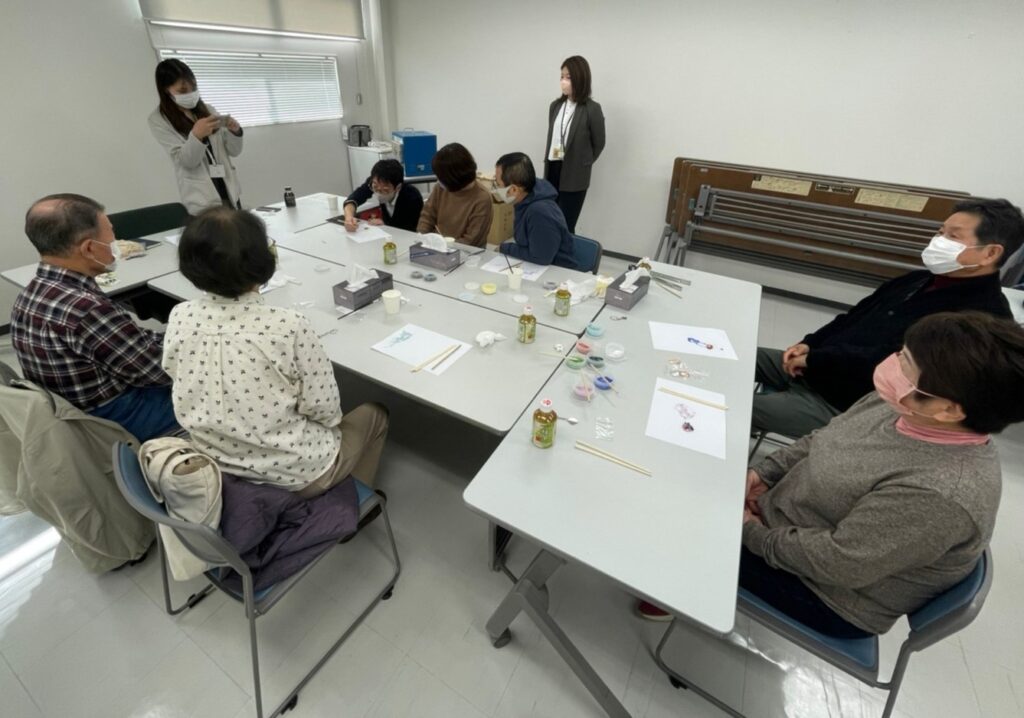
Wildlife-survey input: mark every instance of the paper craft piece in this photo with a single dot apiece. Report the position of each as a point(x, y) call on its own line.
point(277, 281)
point(173, 238)
point(414, 345)
point(689, 424)
point(499, 265)
point(366, 233)
point(702, 341)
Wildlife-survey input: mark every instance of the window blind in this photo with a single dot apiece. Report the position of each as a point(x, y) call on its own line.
point(340, 18)
point(266, 89)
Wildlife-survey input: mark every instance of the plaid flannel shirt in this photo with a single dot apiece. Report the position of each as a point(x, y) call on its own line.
point(73, 340)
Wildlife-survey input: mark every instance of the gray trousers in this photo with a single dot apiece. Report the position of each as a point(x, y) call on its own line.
point(785, 405)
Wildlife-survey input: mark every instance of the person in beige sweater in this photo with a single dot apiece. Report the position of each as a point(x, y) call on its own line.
point(457, 207)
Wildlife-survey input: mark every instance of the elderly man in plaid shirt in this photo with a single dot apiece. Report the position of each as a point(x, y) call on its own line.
point(71, 339)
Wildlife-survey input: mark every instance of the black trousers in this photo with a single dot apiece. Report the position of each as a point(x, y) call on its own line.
point(786, 592)
point(571, 203)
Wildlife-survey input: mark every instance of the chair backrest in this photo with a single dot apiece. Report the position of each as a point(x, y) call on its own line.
point(201, 540)
point(135, 223)
point(953, 610)
point(588, 253)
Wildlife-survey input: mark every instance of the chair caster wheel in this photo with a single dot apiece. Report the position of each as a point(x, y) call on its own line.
point(677, 684)
point(290, 704)
point(502, 640)
point(388, 594)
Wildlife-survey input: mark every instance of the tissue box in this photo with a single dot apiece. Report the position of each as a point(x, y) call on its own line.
point(616, 297)
point(361, 297)
point(418, 254)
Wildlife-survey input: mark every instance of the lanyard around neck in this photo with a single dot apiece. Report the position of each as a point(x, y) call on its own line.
point(563, 126)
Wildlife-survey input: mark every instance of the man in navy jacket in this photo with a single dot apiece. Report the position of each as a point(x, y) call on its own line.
point(830, 369)
point(541, 234)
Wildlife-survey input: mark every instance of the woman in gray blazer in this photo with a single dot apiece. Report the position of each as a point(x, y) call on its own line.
point(200, 142)
point(575, 139)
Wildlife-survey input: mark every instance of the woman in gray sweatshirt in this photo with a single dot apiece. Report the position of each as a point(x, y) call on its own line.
point(895, 500)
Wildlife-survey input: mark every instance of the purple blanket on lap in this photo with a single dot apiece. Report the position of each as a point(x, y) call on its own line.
point(277, 532)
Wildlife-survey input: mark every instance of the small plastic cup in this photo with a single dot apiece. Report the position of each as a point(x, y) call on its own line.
point(515, 279)
point(392, 301)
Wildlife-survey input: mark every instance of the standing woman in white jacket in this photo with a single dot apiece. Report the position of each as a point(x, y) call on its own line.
point(200, 142)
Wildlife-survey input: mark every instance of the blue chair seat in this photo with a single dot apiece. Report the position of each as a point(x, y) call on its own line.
point(862, 651)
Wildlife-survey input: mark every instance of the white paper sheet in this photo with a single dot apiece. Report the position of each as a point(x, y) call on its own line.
point(173, 238)
point(365, 233)
point(687, 423)
point(499, 265)
point(414, 345)
point(702, 341)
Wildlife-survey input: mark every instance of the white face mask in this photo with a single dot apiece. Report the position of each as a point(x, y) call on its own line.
point(189, 100)
point(384, 198)
point(115, 252)
point(940, 256)
point(502, 194)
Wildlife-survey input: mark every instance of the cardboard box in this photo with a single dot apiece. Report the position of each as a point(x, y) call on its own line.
point(418, 254)
point(615, 297)
point(361, 297)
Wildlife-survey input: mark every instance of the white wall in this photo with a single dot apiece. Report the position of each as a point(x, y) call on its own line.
point(925, 92)
point(78, 80)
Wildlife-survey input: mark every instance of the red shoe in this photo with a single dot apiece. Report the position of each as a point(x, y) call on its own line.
point(651, 612)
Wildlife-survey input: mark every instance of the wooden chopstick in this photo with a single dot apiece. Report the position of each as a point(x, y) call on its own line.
point(667, 288)
point(444, 358)
point(602, 454)
point(705, 402)
point(434, 358)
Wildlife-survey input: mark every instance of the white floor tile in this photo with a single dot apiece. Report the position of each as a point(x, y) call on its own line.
point(14, 698)
point(414, 692)
point(1000, 690)
point(83, 673)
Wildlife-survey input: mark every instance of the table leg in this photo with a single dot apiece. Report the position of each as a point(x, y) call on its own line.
point(497, 541)
point(530, 596)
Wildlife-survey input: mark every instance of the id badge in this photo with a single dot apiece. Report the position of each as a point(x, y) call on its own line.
point(217, 171)
point(557, 152)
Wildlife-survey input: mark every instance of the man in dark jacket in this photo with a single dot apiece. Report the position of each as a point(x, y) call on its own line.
point(830, 369)
point(541, 234)
point(400, 203)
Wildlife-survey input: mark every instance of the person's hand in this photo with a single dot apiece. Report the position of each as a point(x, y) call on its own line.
point(794, 351)
point(205, 126)
point(351, 224)
point(796, 366)
point(376, 221)
point(232, 124)
point(755, 488)
point(749, 516)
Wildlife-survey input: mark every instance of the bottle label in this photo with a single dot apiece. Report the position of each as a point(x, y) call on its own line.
point(543, 434)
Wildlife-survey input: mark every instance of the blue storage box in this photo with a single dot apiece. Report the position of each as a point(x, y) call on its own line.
point(418, 150)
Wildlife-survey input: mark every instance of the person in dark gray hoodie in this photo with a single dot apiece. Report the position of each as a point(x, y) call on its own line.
point(541, 234)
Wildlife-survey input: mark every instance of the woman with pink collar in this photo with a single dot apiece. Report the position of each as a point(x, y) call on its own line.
point(895, 500)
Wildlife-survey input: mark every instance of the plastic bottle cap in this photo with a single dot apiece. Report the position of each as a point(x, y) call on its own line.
point(527, 309)
point(546, 405)
point(563, 285)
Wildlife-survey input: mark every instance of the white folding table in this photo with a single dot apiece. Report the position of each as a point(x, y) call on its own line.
point(672, 538)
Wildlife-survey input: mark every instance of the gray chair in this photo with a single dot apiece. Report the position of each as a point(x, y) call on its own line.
point(211, 547)
point(588, 253)
point(940, 618)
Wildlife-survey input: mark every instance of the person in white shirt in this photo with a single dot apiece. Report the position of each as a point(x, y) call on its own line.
point(252, 384)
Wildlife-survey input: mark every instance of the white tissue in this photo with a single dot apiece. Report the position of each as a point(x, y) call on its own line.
point(434, 241)
point(631, 277)
point(359, 276)
point(487, 337)
point(581, 290)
